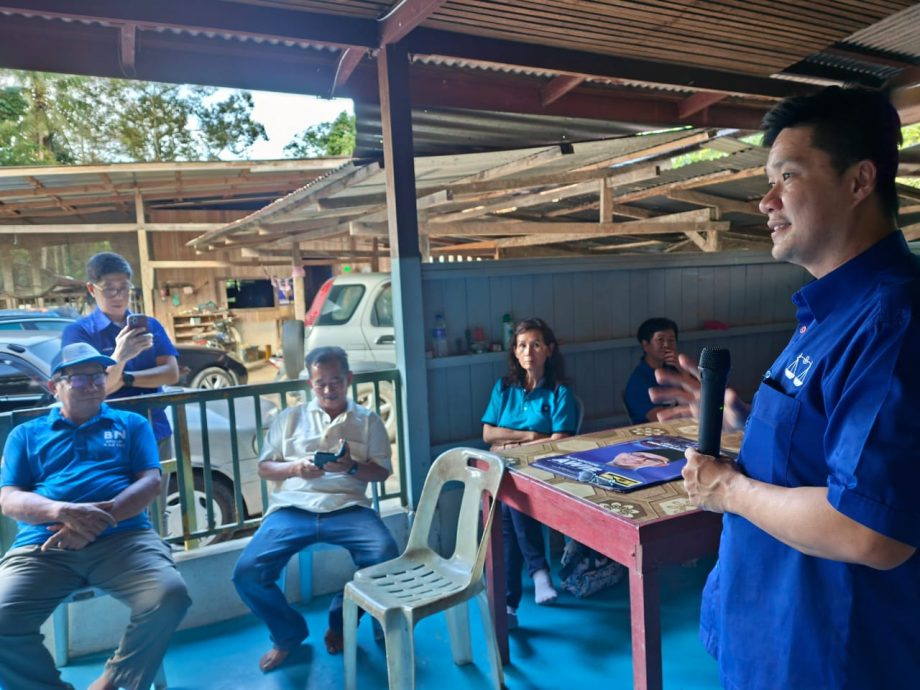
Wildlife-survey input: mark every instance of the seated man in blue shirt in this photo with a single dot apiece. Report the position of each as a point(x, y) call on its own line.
point(78, 482)
point(658, 338)
point(817, 580)
point(145, 358)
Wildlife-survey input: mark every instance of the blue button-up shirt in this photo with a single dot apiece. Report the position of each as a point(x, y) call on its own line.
point(838, 409)
point(87, 463)
point(544, 410)
point(99, 331)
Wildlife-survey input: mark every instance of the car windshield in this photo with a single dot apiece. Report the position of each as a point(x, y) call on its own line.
point(340, 304)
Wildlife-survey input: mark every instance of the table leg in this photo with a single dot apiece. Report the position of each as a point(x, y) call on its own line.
point(495, 580)
point(645, 617)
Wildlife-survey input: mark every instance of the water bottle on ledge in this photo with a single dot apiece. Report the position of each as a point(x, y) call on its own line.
point(439, 336)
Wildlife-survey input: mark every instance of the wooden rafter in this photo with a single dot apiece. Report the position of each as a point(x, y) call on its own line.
point(558, 87)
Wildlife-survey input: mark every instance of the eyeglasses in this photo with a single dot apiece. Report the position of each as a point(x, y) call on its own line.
point(83, 380)
point(110, 292)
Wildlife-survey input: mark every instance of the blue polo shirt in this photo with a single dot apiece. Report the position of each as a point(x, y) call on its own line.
point(545, 410)
point(95, 461)
point(838, 408)
point(638, 403)
point(99, 331)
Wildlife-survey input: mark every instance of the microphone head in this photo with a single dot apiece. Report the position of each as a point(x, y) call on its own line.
point(715, 359)
point(585, 476)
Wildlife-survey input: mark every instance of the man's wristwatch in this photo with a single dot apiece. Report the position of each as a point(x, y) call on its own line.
point(127, 379)
point(353, 470)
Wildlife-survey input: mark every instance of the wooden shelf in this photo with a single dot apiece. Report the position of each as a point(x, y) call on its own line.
point(188, 328)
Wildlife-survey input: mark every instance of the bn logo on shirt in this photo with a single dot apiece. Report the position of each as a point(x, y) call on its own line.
point(114, 438)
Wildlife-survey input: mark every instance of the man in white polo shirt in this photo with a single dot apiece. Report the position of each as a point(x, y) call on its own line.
point(312, 503)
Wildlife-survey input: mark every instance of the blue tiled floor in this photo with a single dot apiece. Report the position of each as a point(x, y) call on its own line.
point(571, 644)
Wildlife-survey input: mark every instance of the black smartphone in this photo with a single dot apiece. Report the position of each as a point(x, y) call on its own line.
point(321, 457)
point(137, 321)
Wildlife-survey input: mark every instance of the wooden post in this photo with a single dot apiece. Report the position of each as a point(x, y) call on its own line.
point(8, 285)
point(375, 256)
point(300, 298)
point(606, 202)
point(143, 252)
point(402, 217)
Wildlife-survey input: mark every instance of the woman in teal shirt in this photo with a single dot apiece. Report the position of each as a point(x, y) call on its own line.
point(530, 405)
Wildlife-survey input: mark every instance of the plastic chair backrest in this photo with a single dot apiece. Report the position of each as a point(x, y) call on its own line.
point(580, 405)
point(455, 465)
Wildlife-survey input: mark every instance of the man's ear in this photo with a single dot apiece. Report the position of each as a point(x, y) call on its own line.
point(864, 179)
point(52, 386)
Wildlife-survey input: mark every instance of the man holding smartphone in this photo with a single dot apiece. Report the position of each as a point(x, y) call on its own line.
point(145, 358)
point(320, 457)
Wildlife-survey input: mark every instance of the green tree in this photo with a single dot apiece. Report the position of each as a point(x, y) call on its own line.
point(336, 138)
point(55, 119)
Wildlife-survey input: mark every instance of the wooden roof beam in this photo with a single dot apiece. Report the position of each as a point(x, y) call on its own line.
point(698, 102)
point(558, 87)
point(406, 16)
point(209, 16)
point(575, 62)
point(348, 62)
point(723, 204)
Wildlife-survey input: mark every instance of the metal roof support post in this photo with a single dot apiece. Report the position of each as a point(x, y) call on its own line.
point(402, 219)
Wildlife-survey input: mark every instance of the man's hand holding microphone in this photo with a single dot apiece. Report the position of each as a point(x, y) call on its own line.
point(700, 392)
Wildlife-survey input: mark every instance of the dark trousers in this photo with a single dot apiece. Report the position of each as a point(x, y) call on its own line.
point(523, 544)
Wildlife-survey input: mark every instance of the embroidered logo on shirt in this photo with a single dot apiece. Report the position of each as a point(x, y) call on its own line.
point(798, 370)
point(114, 439)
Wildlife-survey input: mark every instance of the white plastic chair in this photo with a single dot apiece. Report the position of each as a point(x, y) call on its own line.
point(420, 582)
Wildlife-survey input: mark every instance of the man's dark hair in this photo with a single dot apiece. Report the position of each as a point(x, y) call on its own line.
point(650, 327)
point(104, 263)
point(553, 370)
point(849, 125)
point(326, 355)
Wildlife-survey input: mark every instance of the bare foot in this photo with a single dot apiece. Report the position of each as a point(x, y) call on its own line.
point(334, 641)
point(272, 659)
point(102, 683)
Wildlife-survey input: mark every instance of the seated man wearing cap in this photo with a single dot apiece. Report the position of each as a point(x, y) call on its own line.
point(78, 482)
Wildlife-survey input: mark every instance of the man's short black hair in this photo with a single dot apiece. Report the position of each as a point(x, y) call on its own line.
point(325, 355)
point(650, 327)
point(850, 125)
point(105, 263)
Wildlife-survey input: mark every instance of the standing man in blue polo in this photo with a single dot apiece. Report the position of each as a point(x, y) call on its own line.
point(818, 579)
point(78, 482)
point(145, 358)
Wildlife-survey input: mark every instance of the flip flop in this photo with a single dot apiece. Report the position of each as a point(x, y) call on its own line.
point(334, 641)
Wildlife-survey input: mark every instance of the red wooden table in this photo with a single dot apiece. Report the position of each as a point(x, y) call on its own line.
point(643, 530)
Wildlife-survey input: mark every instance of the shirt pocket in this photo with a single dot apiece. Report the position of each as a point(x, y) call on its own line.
point(768, 437)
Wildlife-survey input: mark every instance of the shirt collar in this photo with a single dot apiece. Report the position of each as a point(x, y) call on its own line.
point(820, 297)
point(100, 321)
point(59, 421)
point(313, 406)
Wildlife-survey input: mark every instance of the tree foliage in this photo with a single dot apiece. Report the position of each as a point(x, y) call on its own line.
point(58, 119)
point(336, 138)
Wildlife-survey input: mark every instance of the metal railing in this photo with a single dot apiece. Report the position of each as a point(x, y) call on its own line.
point(211, 487)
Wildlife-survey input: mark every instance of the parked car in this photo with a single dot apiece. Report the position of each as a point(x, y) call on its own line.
point(355, 312)
point(25, 367)
point(199, 367)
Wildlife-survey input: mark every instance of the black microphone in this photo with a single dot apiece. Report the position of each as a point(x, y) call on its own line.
point(714, 366)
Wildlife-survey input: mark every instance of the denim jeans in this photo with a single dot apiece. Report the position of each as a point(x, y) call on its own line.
point(523, 544)
point(287, 531)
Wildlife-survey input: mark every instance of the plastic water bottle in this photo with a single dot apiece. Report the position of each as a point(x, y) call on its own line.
point(439, 336)
point(507, 332)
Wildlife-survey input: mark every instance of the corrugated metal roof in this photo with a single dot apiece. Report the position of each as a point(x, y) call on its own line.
point(899, 33)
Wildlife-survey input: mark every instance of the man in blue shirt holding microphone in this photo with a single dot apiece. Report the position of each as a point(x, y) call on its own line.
point(816, 585)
